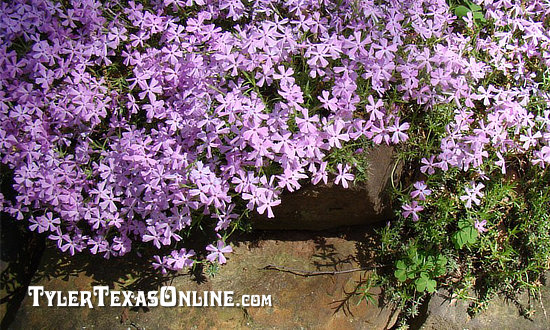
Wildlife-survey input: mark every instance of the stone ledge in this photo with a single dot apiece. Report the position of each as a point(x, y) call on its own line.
point(297, 302)
point(320, 207)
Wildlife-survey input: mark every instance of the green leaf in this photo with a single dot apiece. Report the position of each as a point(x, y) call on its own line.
point(401, 275)
point(429, 264)
point(461, 11)
point(430, 286)
point(473, 6)
point(401, 264)
point(440, 266)
point(421, 283)
point(464, 223)
point(479, 16)
point(465, 236)
point(441, 261)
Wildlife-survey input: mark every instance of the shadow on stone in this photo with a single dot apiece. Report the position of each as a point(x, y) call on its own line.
point(20, 253)
point(326, 300)
point(321, 207)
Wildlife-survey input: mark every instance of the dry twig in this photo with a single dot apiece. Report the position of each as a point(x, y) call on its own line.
point(306, 273)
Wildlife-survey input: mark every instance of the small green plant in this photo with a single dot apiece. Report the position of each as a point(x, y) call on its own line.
point(466, 7)
point(364, 289)
point(420, 269)
point(466, 234)
point(212, 269)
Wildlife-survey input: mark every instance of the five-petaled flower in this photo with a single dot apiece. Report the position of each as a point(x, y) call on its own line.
point(421, 191)
point(218, 251)
point(343, 175)
point(412, 209)
point(480, 226)
point(473, 193)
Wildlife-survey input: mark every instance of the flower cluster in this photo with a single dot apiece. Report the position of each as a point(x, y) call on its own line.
point(496, 66)
point(137, 122)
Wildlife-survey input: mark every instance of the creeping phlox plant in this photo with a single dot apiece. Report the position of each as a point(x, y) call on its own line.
point(147, 121)
point(474, 211)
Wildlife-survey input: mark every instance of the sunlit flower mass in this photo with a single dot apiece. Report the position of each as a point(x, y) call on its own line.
point(124, 123)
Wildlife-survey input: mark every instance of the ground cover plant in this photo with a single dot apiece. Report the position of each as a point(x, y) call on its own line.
point(147, 123)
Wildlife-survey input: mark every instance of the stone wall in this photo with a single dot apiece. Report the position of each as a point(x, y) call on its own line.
point(319, 207)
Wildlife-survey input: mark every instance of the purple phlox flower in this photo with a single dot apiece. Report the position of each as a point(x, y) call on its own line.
point(317, 56)
point(343, 175)
point(73, 244)
point(542, 157)
point(97, 244)
point(290, 179)
point(218, 251)
point(150, 89)
point(162, 264)
point(412, 209)
point(375, 108)
point(252, 196)
point(355, 45)
point(114, 220)
point(328, 103)
point(501, 162)
point(380, 133)
point(285, 76)
point(473, 193)
point(307, 125)
point(398, 131)
point(486, 94)
point(153, 235)
point(480, 226)
point(530, 139)
point(284, 143)
point(180, 259)
point(421, 191)
point(292, 93)
point(264, 77)
point(428, 165)
point(266, 201)
point(245, 181)
point(334, 134)
point(105, 195)
point(121, 245)
point(482, 175)
point(51, 222)
point(320, 174)
point(224, 218)
point(38, 224)
point(58, 237)
point(384, 49)
point(361, 128)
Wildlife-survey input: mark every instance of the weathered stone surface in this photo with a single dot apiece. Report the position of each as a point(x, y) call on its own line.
point(500, 314)
point(297, 302)
point(320, 207)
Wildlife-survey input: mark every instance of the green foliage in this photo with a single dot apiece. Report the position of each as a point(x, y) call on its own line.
point(364, 289)
point(463, 8)
point(420, 269)
point(444, 249)
point(212, 269)
point(466, 234)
